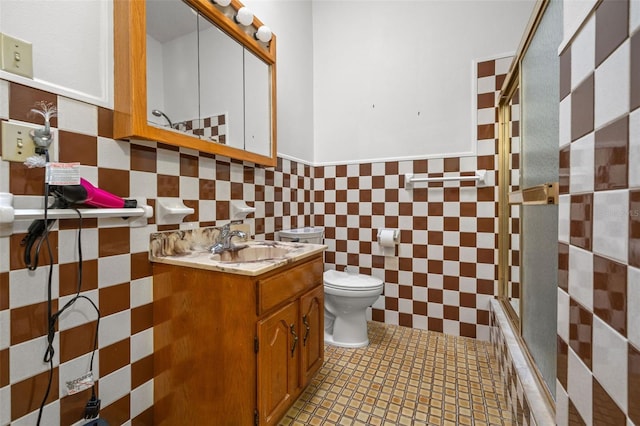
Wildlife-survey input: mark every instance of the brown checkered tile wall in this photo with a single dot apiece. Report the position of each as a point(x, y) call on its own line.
point(445, 271)
point(117, 275)
point(598, 355)
point(442, 279)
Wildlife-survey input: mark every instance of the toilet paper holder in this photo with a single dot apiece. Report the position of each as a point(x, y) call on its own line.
point(385, 236)
point(388, 240)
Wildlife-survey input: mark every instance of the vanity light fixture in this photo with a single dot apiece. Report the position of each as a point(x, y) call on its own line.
point(244, 16)
point(263, 34)
point(223, 3)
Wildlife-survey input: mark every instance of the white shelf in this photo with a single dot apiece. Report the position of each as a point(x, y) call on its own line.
point(137, 217)
point(27, 214)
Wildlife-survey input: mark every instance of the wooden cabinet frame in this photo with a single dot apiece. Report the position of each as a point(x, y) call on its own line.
point(130, 78)
point(225, 345)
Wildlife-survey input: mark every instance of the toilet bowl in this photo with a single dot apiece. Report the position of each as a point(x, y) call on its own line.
point(346, 296)
point(346, 299)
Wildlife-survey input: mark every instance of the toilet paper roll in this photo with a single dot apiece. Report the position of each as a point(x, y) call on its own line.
point(388, 237)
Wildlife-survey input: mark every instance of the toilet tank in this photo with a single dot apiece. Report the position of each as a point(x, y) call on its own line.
point(309, 234)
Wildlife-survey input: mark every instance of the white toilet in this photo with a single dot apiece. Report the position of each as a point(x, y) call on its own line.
point(346, 297)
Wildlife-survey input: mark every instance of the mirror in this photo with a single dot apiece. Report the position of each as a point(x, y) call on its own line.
point(206, 83)
point(221, 86)
point(172, 65)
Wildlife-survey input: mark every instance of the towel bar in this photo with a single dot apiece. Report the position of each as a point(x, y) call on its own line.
point(480, 176)
point(547, 193)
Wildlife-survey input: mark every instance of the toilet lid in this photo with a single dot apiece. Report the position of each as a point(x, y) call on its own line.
point(344, 280)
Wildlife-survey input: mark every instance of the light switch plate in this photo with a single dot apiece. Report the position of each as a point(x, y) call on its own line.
point(17, 56)
point(17, 144)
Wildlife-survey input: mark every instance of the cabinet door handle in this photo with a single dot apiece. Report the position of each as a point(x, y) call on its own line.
point(295, 338)
point(305, 321)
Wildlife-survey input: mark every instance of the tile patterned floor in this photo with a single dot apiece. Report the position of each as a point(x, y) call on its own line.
point(405, 377)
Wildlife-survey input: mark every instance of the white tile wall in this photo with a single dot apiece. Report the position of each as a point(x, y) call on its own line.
point(634, 148)
point(26, 358)
point(565, 121)
point(81, 312)
point(29, 287)
point(168, 162)
point(633, 305)
point(114, 270)
point(610, 361)
point(141, 398)
point(115, 385)
point(580, 387)
point(611, 224)
point(634, 15)
point(563, 315)
point(76, 116)
point(4, 99)
point(141, 344)
point(114, 154)
point(612, 87)
point(68, 244)
point(583, 55)
point(76, 368)
point(581, 276)
point(582, 164)
point(114, 328)
point(564, 219)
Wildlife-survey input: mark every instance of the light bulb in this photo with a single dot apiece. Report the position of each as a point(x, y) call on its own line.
point(244, 16)
point(223, 3)
point(263, 34)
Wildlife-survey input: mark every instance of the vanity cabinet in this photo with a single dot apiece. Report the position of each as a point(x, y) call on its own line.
point(233, 349)
point(291, 351)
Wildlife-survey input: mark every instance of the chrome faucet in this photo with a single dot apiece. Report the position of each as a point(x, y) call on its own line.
point(223, 242)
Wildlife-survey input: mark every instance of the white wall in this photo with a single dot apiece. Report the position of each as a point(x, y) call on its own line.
point(291, 21)
point(394, 79)
point(72, 45)
point(415, 56)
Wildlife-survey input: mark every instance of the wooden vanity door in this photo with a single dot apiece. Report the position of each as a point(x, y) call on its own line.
point(279, 339)
point(312, 333)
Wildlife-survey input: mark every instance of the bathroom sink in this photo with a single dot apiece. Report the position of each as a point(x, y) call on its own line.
point(252, 253)
point(246, 258)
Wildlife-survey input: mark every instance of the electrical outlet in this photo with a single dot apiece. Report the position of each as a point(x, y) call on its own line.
point(17, 56)
point(17, 144)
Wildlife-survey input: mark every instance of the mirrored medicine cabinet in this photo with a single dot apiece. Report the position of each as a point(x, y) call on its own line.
point(187, 74)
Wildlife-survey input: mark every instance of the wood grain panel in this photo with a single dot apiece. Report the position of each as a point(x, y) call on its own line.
point(311, 334)
point(205, 331)
point(279, 288)
point(278, 363)
point(204, 340)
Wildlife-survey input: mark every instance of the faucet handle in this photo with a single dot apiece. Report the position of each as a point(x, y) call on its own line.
point(223, 232)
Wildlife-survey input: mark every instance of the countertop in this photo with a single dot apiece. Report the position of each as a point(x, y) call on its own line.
point(202, 259)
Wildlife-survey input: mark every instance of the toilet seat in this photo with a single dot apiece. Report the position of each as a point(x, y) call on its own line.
point(338, 280)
